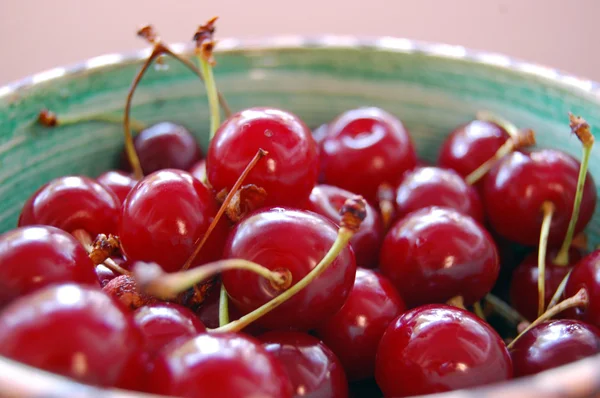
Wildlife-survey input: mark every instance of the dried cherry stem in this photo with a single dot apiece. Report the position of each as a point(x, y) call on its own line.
point(478, 310)
point(84, 238)
point(204, 53)
point(580, 299)
point(504, 310)
point(223, 306)
point(580, 128)
point(385, 197)
point(548, 211)
point(457, 301)
point(258, 156)
point(50, 119)
point(152, 280)
point(353, 212)
point(559, 290)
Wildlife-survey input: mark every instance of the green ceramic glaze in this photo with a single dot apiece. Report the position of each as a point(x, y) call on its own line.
point(431, 88)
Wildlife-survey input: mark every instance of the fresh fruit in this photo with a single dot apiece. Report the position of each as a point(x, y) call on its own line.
point(117, 182)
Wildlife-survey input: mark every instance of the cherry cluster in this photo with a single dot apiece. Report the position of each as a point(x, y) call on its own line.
point(286, 262)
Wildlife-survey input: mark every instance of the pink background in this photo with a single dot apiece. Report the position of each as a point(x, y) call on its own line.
point(41, 34)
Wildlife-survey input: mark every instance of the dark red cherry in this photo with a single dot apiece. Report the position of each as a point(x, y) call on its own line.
point(118, 182)
point(437, 348)
point(38, 256)
point(433, 186)
point(552, 344)
point(198, 171)
point(513, 195)
point(71, 203)
point(164, 145)
point(353, 333)
point(72, 330)
point(313, 369)
point(288, 173)
point(435, 254)
point(163, 218)
point(586, 274)
point(364, 148)
point(470, 145)
point(295, 240)
point(104, 274)
point(327, 201)
point(219, 365)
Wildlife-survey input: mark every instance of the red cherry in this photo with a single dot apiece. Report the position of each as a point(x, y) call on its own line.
point(295, 240)
point(219, 365)
point(198, 171)
point(437, 348)
point(353, 333)
point(435, 254)
point(513, 194)
point(327, 201)
point(165, 215)
point(118, 182)
point(71, 203)
point(433, 186)
point(313, 369)
point(72, 330)
point(288, 173)
point(552, 344)
point(38, 256)
point(365, 148)
point(164, 145)
point(586, 274)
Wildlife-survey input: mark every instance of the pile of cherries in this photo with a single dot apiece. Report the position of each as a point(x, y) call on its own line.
point(286, 263)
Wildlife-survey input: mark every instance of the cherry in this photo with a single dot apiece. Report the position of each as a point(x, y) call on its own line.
point(164, 215)
point(72, 330)
point(365, 148)
point(294, 240)
point(38, 256)
point(353, 333)
point(118, 182)
point(435, 254)
point(327, 201)
point(104, 274)
point(313, 369)
point(198, 171)
point(219, 365)
point(552, 344)
point(71, 203)
point(433, 186)
point(289, 171)
point(513, 195)
point(437, 348)
point(586, 275)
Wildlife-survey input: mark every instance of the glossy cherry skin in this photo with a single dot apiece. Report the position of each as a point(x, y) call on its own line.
point(433, 186)
point(118, 182)
point(437, 348)
point(435, 254)
point(38, 256)
point(470, 145)
point(164, 145)
point(353, 333)
point(226, 365)
point(327, 201)
point(72, 330)
point(198, 171)
point(288, 173)
point(513, 195)
point(364, 148)
point(313, 369)
point(165, 215)
point(296, 240)
point(104, 274)
point(586, 274)
point(552, 344)
point(71, 203)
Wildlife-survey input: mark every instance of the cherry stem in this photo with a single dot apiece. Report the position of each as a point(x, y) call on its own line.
point(154, 281)
point(457, 301)
point(580, 128)
point(385, 196)
point(478, 310)
point(578, 300)
point(204, 53)
point(353, 213)
point(223, 306)
point(259, 155)
point(505, 310)
point(86, 241)
point(50, 119)
point(548, 210)
point(559, 290)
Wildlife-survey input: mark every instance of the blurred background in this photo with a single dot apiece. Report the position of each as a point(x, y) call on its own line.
point(38, 35)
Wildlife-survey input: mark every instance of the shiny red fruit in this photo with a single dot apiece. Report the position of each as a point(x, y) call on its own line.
point(198, 171)
point(224, 365)
point(296, 240)
point(364, 148)
point(435, 254)
point(71, 203)
point(163, 218)
point(514, 191)
point(353, 333)
point(437, 348)
point(288, 173)
point(117, 182)
point(586, 274)
point(313, 369)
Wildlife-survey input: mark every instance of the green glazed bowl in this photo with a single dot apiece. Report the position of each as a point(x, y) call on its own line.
point(432, 87)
